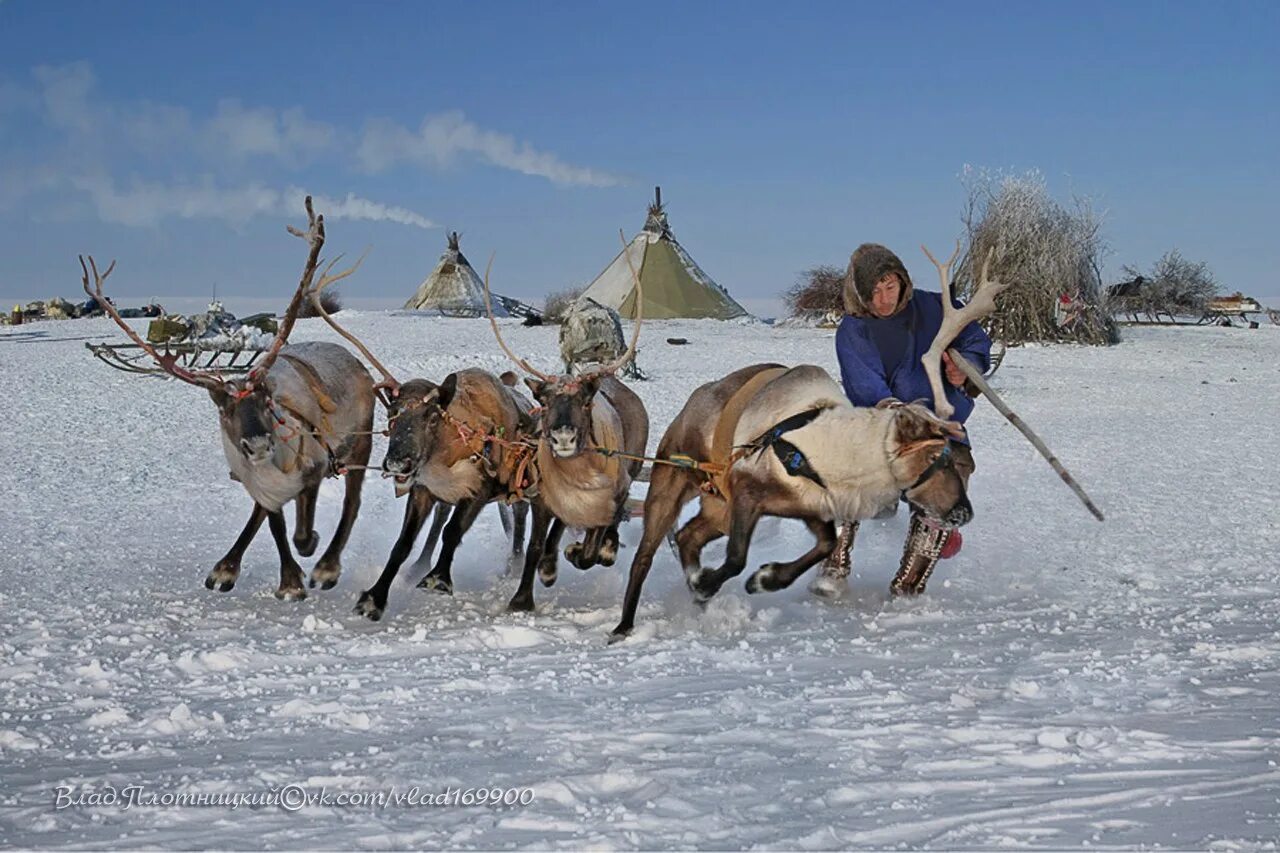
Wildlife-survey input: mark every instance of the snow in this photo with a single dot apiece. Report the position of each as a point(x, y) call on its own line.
point(1063, 683)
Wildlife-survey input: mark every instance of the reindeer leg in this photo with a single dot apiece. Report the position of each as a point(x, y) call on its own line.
point(701, 531)
point(227, 570)
point(520, 522)
point(775, 576)
point(373, 601)
point(585, 554)
point(667, 494)
point(523, 599)
point(504, 515)
point(607, 553)
point(441, 577)
point(326, 572)
point(305, 538)
point(547, 563)
point(744, 514)
point(433, 536)
point(291, 588)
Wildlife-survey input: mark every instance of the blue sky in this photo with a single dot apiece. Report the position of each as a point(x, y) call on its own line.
point(179, 137)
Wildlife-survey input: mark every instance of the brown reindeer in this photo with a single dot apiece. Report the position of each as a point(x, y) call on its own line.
point(585, 421)
point(462, 443)
point(302, 414)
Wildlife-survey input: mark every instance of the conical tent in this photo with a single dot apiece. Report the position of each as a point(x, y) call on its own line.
point(453, 288)
point(673, 285)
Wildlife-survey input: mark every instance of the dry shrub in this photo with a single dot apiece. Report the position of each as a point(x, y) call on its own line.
point(1045, 249)
point(817, 291)
point(558, 304)
point(1174, 286)
point(330, 299)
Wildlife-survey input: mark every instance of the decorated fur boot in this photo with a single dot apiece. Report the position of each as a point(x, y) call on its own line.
point(833, 579)
point(925, 544)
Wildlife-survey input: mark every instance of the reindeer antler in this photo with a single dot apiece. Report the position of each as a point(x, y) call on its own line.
point(619, 363)
point(954, 320)
point(167, 361)
point(388, 381)
point(314, 235)
point(488, 307)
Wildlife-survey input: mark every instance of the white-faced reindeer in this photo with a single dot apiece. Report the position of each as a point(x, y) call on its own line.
point(462, 443)
point(787, 442)
point(585, 421)
point(303, 413)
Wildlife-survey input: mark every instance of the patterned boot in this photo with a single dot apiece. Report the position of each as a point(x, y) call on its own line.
point(924, 545)
point(833, 580)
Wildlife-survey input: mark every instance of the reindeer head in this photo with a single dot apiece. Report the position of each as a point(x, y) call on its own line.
point(414, 417)
point(566, 400)
point(924, 463)
point(566, 411)
point(249, 418)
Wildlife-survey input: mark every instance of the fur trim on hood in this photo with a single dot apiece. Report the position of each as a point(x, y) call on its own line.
point(868, 264)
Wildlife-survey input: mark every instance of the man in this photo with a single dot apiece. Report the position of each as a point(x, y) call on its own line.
point(887, 327)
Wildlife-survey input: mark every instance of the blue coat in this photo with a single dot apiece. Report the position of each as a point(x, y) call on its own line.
point(862, 366)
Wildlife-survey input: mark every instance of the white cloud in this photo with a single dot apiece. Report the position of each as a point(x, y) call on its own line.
point(64, 91)
point(288, 136)
point(442, 139)
point(145, 203)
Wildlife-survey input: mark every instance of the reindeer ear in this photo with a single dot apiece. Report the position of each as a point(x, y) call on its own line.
point(912, 426)
point(510, 379)
point(537, 386)
point(221, 398)
point(590, 384)
point(448, 388)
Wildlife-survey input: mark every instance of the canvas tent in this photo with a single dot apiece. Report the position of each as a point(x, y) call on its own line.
point(453, 288)
point(673, 285)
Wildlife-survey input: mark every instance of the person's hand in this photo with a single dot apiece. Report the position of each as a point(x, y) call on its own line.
point(954, 374)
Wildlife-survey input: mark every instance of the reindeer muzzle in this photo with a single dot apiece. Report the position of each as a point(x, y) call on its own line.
point(256, 449)
point(564, 442)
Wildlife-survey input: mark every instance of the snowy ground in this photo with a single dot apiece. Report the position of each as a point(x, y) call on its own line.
point(1063, 683)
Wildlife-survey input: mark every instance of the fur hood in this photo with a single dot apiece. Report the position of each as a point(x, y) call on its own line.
point(867, 265)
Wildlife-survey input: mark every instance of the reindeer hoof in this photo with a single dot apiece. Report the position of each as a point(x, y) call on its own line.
point(307, 547)
point(703, 586)
point(369, 607)
point(521, 604)
point(325, 575)
point(608, 552)
point(436, 584)
point(764, 579)
point(291, 593)
point(548, 574)
point(221, 578)
point(620, 633)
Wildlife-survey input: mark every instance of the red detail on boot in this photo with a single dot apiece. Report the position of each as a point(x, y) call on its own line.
point(952, 546)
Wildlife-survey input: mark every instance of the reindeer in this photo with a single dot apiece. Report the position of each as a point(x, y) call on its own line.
point(460, 443)
point(303, 413)
point(787, 443)
point(585, 422)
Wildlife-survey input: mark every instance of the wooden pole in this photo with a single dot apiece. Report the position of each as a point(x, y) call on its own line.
point(975, 376)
